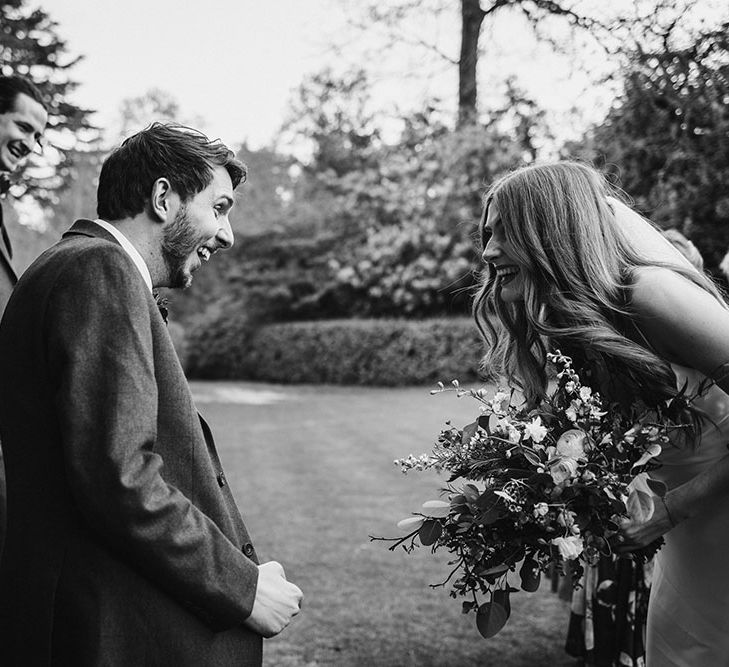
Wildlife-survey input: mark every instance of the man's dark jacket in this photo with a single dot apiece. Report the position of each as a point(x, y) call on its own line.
point(124, 545)
point(8, 278)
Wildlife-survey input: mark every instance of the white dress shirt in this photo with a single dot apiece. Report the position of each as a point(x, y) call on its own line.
point(130, 250)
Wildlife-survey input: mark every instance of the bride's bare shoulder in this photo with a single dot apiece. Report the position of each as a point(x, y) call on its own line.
point(655, 288)
point(683, 321)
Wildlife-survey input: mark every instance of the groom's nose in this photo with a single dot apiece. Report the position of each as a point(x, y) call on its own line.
point(224, 235)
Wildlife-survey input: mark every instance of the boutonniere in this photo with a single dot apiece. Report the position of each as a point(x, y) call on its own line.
point(162, 303)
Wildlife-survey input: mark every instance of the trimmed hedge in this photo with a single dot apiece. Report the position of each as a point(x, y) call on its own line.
point(384, 352)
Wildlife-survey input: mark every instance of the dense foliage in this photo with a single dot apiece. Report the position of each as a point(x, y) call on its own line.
point(367, 228)
point(666, 139)
point(383, 352)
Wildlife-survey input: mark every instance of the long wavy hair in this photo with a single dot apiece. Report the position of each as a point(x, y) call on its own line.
point(577, 270)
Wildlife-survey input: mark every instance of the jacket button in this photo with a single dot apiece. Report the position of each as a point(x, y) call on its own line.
point(248, 549)
point(221, 479)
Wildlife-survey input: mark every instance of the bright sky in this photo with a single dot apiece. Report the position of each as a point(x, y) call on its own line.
point(236, 63)
point(231, 62)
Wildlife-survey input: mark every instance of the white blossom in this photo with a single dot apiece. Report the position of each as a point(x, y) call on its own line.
point(569, 547)
point(541, 509)
point(535, 430)
point(572, 443)
point(563, 469)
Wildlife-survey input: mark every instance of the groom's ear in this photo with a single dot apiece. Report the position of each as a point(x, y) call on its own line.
point(160, 204)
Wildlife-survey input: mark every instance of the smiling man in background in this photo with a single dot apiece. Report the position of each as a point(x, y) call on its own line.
point(23, 119)
point(124, 543)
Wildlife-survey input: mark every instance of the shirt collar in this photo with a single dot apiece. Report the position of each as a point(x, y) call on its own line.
point(130, 250)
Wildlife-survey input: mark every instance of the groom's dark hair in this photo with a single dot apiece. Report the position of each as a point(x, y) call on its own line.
point(182, 155)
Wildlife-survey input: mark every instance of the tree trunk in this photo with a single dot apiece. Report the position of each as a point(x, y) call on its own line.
point(471, 19)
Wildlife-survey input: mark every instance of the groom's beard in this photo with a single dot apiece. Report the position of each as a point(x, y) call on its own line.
point(180, 242)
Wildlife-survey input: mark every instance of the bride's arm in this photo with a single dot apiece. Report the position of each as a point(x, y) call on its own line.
point(688, 326)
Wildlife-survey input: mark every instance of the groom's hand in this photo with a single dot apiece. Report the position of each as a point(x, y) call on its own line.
point(277, 601)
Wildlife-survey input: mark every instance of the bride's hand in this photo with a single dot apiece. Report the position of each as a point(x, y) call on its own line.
point(633, 535)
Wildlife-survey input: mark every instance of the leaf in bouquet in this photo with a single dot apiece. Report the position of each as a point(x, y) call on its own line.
point(490, 618)
point(412, 523)
point(471, 493)
point(640, 505)
point(531, 456)
point(650, 452)
point(501, 596)
point(486, 499)
point(494, 571)
point(530, 575)
point(488, 503)
point(489, 516)
point(468, 605)
point(437, 509)
point(468, 432)
point(505, 496)
point(429, 532)
point(493, 421)
point(484, 421)
point(657, 486)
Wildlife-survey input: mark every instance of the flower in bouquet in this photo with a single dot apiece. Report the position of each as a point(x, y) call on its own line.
point(534, 488)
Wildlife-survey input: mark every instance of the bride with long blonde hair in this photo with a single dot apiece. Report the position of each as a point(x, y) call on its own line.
point(569, 265)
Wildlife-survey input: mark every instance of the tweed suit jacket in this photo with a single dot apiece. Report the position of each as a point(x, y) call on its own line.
point(124, 545)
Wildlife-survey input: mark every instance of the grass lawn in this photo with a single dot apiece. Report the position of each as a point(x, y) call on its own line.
point(311, 468)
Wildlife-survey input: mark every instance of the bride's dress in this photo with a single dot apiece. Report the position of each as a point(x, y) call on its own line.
point(688, 613)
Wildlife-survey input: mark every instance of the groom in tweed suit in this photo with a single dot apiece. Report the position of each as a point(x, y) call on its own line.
point(124, 544)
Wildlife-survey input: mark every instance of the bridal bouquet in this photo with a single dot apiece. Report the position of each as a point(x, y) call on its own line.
point(537, 488)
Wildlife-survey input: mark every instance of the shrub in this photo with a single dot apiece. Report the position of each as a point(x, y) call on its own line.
point(385, 352)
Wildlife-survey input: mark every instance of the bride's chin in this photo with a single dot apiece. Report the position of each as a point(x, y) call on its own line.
point(508, 291)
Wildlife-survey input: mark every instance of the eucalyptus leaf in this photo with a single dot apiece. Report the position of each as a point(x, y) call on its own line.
point(489, 516)
point(471, 493)
point(531, 456)
point(650, 452)
point(640, 506)
point(501, 596)
point(497, 569)
point(468, 432)
point(490, 618)
point(657, 486)
point(483, 422)
point(429, 532)
point(530, 575)
point(437, 509)
point(410, 524)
